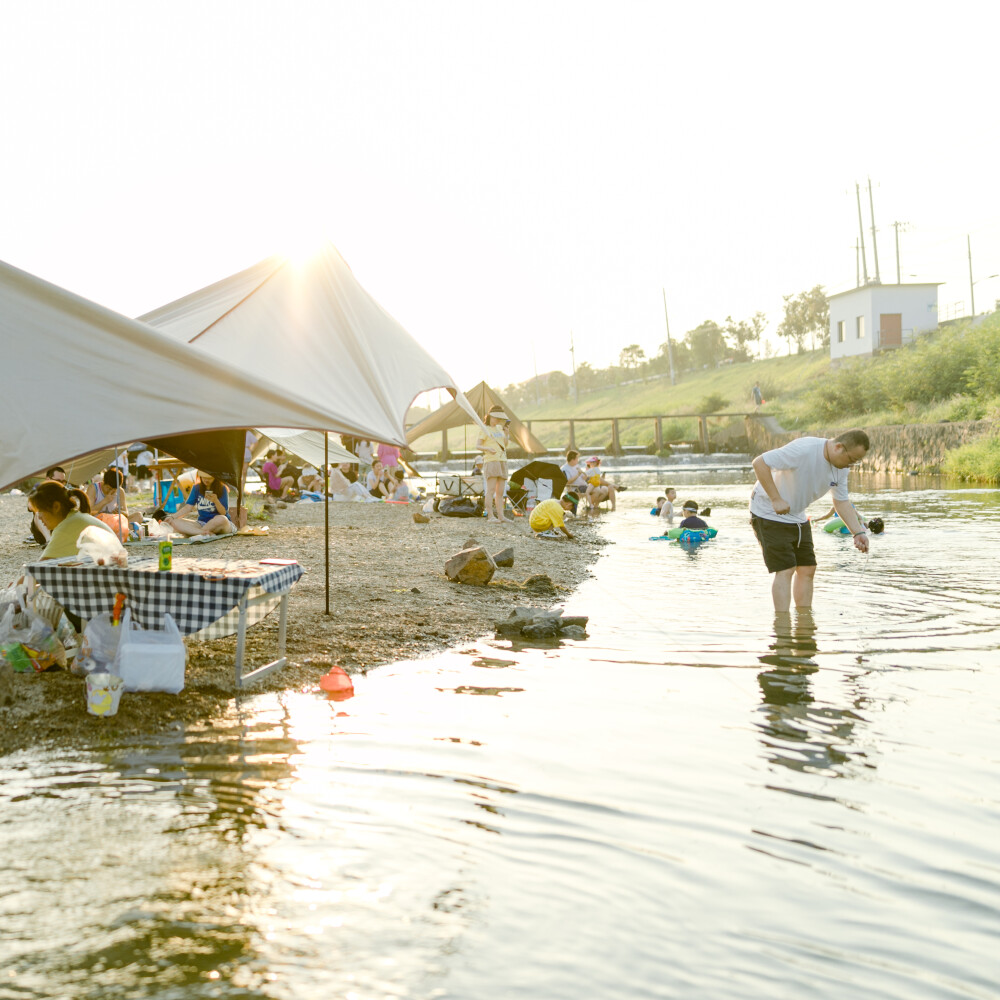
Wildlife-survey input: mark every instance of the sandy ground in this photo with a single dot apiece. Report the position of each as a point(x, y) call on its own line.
point(389, 600)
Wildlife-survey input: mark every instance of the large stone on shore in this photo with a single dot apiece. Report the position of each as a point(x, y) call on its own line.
point(538, 623)
point(474, 566)
point(540, 583)
point(505, 557)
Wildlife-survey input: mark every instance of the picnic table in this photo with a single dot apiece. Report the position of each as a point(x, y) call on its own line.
point(209, 598)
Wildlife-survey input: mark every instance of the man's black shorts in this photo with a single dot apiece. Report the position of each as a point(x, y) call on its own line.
point(785, 546)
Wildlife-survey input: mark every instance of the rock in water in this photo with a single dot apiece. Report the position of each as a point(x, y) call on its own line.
point(541, 630)
point(420, 518)
point(473, 565)
point(505, 557)
point(572, 632)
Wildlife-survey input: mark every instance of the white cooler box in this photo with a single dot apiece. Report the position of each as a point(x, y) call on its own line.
point(151, 659)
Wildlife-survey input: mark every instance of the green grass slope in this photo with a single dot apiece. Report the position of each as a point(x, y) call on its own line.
point(730, 385)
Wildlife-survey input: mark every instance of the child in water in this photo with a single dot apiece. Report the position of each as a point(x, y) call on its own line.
point(875, 524)
point(691, 519)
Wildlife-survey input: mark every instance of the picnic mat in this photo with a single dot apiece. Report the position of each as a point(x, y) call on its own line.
point(203, 539)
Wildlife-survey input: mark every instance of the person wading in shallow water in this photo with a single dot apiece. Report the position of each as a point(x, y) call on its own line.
point(788, 480)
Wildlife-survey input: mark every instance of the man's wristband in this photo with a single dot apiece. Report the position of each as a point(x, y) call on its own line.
point(862, 532)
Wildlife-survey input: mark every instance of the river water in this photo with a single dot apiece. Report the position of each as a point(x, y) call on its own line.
point(698, 801)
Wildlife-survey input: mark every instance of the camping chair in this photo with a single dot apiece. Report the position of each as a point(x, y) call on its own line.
point(459, 486)
point(535, 481)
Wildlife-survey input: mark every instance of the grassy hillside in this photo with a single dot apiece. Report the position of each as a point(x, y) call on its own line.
point(730, 384)
point(953, 374)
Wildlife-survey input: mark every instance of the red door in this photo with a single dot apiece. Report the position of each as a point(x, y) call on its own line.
point(890, 332)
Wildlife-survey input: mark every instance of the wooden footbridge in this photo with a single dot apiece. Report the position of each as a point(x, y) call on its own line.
point(702, 443)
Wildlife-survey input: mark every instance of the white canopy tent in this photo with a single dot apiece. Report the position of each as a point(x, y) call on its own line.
point(78, 377)
point(308, 445)
point(314, 330)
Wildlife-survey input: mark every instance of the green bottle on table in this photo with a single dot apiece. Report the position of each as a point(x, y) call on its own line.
point(166, 555)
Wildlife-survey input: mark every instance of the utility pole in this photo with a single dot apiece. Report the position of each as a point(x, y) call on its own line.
point(871, 203)
point(897, 226)
point(857, 266)
point(861, 230)
point(972, 284)
point(572, 354)
point(670, 346)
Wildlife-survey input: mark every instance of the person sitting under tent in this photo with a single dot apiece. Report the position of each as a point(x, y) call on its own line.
point(120, 462)
point(39, 532)
point(402, 491)
point(210, 498)
point(310, 480)
point(376, 482)
point(273, 474)
point(107, 501)
point(341, 487)
point(65, 514)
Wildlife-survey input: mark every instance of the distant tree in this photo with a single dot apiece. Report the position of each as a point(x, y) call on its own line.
point(631, 357)
point(707, 344)
point(559, 385)
point(586, 377)
point(806, 315)
point(745, 333)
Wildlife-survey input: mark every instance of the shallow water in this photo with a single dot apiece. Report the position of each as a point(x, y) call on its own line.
point(696, 801)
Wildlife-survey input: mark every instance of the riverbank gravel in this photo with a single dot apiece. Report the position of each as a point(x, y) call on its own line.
point(389, 600)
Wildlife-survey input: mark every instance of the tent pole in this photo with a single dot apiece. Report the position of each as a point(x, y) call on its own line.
point(118, 493)
point(326, 501)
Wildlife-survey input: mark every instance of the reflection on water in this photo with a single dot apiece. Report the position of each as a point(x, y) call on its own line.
point(699, 800)
point(797, 732)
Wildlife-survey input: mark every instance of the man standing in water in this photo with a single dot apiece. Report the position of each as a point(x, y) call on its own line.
point(788, 480)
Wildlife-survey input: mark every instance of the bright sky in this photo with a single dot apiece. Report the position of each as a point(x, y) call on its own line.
point(499, 175)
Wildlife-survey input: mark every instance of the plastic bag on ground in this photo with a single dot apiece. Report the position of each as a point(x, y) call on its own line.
point(102, 546)
point(28, 642)
point(99, 643)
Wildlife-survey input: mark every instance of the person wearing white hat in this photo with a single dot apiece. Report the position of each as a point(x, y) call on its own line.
point(493, 443)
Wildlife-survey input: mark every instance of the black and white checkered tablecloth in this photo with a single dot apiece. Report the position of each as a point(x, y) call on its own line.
point(193, 601)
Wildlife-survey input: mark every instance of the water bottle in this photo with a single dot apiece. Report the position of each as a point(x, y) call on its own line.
point(166, 555)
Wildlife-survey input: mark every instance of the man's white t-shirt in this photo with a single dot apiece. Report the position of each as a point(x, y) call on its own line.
point(802, 475)
point(667, 511)
point(573, 473)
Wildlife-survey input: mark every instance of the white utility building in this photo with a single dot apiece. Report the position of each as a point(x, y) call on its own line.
point(876, 317)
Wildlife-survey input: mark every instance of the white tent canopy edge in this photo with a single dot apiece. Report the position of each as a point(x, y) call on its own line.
point(79, 377)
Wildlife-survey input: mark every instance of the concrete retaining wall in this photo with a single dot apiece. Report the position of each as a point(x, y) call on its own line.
point(896, 448)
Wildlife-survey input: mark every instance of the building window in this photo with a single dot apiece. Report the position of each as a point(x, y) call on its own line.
point(860, 327)
point(841, 331)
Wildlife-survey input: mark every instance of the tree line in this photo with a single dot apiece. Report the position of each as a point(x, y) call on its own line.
point(806, 320)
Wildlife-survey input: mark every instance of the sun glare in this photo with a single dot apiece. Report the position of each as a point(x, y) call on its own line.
point(301, 248)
